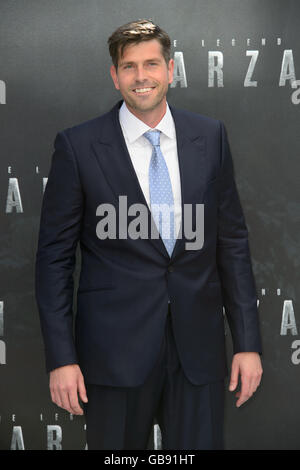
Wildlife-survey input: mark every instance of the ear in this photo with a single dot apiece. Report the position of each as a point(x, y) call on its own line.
point(114, 76)
point(171, 70)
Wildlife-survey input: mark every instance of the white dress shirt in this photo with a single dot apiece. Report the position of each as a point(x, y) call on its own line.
point(140, 151)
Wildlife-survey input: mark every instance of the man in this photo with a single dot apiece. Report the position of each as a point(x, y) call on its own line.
point(149, 340)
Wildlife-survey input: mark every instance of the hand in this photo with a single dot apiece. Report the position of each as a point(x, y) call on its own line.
point(248, 364)
point(65, 384)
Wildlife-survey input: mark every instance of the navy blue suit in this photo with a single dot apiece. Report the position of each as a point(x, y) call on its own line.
point(124, 285)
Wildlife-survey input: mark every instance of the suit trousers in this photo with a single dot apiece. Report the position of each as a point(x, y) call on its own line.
point(189, 416)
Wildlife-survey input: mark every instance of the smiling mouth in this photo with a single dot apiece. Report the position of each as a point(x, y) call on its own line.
point(143, 91)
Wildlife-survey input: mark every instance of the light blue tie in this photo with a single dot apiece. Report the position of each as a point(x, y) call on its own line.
point(161, 192)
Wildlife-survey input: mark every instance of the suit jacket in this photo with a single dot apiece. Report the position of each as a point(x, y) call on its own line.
point(124, 284)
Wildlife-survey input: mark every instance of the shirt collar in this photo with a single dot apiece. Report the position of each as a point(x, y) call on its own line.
point(134, 127)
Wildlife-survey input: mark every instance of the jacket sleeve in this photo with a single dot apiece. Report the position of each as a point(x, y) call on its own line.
point(234, 260)
point(60, 222)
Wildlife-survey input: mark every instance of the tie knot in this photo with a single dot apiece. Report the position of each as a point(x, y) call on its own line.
point(153, 137)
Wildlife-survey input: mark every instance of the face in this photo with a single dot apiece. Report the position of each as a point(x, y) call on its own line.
point(143, 76)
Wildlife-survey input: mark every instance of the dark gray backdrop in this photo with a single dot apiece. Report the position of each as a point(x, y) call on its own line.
point(54, 73)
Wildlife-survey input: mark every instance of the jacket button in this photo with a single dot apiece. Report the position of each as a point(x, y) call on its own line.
point(170, 269)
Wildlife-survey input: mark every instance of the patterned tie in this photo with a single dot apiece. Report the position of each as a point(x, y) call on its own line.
point(161, 192)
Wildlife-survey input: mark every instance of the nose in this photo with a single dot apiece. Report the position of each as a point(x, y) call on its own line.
point(140, 74)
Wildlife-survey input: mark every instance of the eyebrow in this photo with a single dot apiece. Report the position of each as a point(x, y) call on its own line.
point(156, 59)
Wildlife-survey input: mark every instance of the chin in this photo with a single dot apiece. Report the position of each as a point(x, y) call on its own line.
point(143, 107)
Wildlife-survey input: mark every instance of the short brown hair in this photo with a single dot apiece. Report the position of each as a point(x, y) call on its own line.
point(135, 32)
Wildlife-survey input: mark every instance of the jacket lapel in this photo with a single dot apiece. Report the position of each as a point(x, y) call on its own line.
point(113, 157)
point(191, 149)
